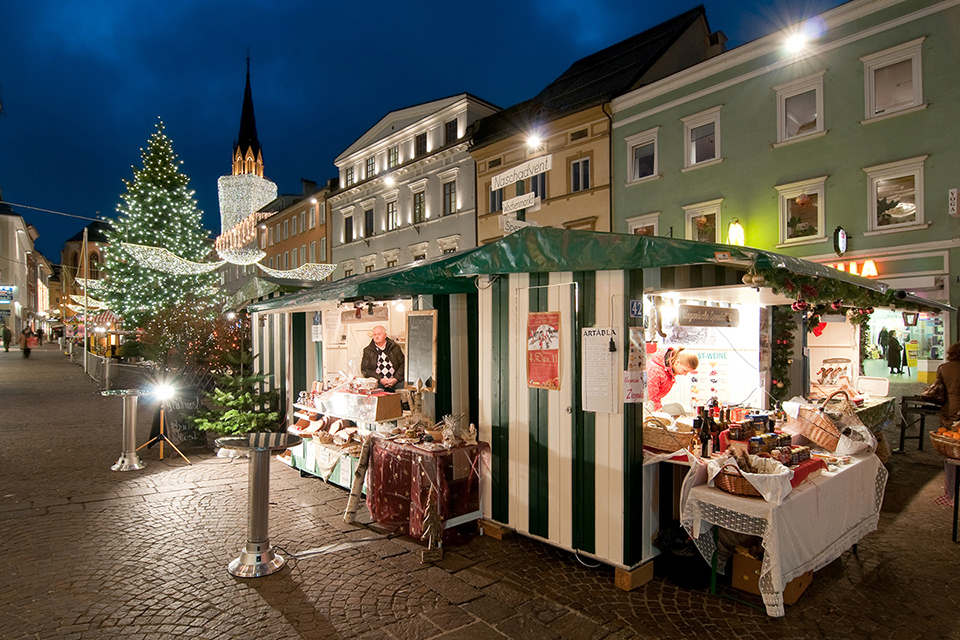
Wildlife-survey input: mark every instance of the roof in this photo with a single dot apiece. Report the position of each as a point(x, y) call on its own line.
point(545, 250)
point(95, 232)
point(247, 138)
point(592, 80)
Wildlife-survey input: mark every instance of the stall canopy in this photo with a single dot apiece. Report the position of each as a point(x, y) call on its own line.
point(544, 250)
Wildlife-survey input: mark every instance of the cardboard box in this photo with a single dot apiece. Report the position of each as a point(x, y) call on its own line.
point(745, 576)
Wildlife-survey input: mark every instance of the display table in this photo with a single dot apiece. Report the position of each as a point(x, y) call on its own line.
point(401, 476)
point(817, 521)
point(877, 414)
point(921, 408)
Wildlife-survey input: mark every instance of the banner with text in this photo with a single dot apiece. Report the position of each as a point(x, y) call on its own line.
point(543, 350)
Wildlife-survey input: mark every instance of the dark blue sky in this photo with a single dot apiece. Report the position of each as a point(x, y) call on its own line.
point(83, 83)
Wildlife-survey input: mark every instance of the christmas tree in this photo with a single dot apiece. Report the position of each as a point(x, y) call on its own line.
point(158, 210)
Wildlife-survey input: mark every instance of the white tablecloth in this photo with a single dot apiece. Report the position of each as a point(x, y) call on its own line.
point(817, 521)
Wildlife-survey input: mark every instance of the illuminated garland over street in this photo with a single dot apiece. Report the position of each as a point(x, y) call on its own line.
point(90, 302)
point(160, 259)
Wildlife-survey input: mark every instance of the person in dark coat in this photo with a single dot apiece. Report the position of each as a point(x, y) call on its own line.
point(882, 341)
point(893, 353)
point(383, 359)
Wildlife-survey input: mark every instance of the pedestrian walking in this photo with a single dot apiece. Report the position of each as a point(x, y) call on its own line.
point(893, 353)
point(28, 340)
point(7, 337)
point(39, 336)
point(882, 341)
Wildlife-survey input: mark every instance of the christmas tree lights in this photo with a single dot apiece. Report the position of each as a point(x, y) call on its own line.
point(157, 209)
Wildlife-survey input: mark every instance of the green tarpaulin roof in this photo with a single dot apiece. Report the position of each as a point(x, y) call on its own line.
point(540, 250)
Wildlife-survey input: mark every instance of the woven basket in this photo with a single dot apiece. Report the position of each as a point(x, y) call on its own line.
point(732, 481)
point(815, 425)
point(657, 436)
point(946, 446)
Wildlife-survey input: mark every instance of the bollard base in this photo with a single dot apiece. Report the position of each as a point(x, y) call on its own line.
point(256, 560)
point(128, 462)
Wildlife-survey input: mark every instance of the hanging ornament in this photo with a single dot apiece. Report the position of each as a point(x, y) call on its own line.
point(803, 199)
point(799, 305)
point(836, 305)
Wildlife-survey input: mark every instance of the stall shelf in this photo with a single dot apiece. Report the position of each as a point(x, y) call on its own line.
point(815, 523)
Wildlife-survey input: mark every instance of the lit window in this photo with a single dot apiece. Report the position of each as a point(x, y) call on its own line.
point(800, 108)
point(348, 176)
point(701, 141)
point(393, 156)
point(371, 169)
point(420, 145)
point(893, 80)
point(419, 207)
point(895, 195)
point(449, 197)
point(702, 221)
point(580, 175)
point(642, 155)
point(393, 216)
point(347, 273)
point(802, 211)
point(645, 225)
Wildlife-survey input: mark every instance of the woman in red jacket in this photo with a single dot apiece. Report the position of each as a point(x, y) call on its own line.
point(663, 369)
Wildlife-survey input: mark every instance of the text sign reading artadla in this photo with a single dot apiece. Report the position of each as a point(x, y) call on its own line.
point(526, 170)
point(695, 316)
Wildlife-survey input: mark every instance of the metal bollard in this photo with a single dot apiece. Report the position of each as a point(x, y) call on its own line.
point(129, 460)
point(109, 373)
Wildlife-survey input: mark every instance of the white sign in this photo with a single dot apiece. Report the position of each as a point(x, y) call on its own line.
point(526, 170)
point(6, 293)
point(600, 369)
point(509, 223)
point(952, 204)
point(526, 201)
point(317, 333)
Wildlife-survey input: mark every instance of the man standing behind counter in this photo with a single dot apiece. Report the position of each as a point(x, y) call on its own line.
point(383, 359)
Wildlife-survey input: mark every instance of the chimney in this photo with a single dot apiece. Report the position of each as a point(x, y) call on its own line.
point(716, 43)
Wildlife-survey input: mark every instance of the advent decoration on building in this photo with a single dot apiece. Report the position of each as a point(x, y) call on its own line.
point(781, 355)
point(158, 209)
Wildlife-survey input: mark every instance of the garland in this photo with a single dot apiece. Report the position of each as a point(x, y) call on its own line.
point(781, 355)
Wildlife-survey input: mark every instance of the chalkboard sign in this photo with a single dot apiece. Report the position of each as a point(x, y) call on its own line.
point(421, 349)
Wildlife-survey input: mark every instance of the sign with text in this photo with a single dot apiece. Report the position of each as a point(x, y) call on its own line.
point(690, 315)
point(528, 201)
point(543, 350)
point(6, 294)
point(526, 170)
point(600, 369)
point(421, 350)
point(509, 223)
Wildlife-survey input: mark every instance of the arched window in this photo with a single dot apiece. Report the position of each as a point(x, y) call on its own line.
point(94, 268)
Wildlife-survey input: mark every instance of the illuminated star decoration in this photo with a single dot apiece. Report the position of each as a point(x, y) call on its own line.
point(160, 259)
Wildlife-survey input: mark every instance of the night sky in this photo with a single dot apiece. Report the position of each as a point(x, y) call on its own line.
point(82, 84)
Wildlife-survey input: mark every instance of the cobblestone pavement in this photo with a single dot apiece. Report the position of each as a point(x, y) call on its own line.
point(90, 553)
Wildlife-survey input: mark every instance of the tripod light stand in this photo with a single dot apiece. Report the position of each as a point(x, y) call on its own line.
point(163, 394)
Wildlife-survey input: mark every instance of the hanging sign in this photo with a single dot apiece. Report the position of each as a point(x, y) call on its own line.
point(6, 294)
point(601, 353)
point(317, 328)
point(528, 201)
point(634, 378)
point(543, 350)
point(526, 170)
point(690, 315)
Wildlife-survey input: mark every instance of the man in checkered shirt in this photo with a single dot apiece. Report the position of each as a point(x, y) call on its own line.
point(383, 360)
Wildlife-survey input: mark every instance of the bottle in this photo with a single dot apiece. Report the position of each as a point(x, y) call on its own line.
point(705, 434)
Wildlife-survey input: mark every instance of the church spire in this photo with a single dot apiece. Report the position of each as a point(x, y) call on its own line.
point(247, 155)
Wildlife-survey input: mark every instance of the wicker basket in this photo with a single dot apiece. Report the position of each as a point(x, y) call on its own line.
point(732, 481)
point(946, 446)
point(657, 436)
point(815, 425)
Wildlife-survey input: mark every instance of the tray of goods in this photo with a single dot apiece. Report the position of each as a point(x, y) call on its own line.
point(946, 442)
point(658, 435)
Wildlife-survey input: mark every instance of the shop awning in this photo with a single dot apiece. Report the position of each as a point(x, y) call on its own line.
point(544, 250)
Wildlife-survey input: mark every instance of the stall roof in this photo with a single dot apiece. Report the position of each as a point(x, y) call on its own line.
point(544, 250)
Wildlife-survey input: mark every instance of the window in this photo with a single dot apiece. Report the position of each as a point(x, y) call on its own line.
point(580, 175)
point(293, 227)
point(347, 272)
point(271, 262)
point(368, 268)
point(701, 138)
point(419, 256)
point(93, 266)
point(303, 221)
point(419, 207)
point(538, 185)
point(392, 263)
point(312, 218)
point(800, 108)
point(646, 225)
point(420, 145)
point(293, 258)
point(393, 216)
point(642, 155)
point(496, 162)
point(323, 249)
point(348, 176)
point(371, 169)
point(577, 135)
point(496, 200)
point(347, 229)
point(286, 259)
point(303, 254)
point(278, 232)
point(368, 230)
point(802, 211)
point(895, 196)
point(286, 229)
point(893, 80)
point(313, 251)
point(393, 156)
point(450, 132)
point(449, 198)
point(702, 221)
point(323, 213)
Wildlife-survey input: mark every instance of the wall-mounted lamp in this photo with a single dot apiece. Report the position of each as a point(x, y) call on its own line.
point(735, 233)
point(910, 318)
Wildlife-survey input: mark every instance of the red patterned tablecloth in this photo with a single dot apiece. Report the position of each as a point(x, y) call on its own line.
point(401, 476)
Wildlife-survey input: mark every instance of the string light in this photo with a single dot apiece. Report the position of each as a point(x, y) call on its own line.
point(160, 259)
point(309, 271)
point(90, 302)
point(241, 256)
point(241, 194)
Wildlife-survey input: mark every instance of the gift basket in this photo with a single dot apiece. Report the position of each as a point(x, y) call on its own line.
point(751, 476)
point(658, 435)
